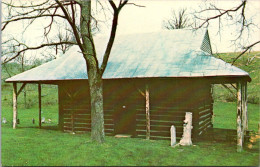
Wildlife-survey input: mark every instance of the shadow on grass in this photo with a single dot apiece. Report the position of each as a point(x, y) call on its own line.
point(229, 137)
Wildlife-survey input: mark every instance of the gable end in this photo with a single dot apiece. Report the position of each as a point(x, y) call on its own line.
point(205, 46)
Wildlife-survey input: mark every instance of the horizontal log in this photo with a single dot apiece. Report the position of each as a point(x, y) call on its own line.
point(157, 133)
point(76, 113)
point(163, 112)
point(108, 111)
point(157, 137)
point(205, 126)
point(163, 117)
point(109, 134)
point(205, 111)
point(108, 121)
point(206, 116)
point(67, 127)
point(109, 126)
point(73, 110)
point(160, 128)
point(159, 122)
point(202, 107)
point(108, 117)
point(82, 125)
point(82, 130)
point(76, 107)
point(109, 130)
point(203, 122)
point(78, 116)
point(162, 138)
point(77, 120)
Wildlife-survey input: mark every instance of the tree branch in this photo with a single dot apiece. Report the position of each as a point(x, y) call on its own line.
point(245, 50)
point(112, 34)
point(37, 47)
point(31, 17)
point(222, 12)
point(73, 26)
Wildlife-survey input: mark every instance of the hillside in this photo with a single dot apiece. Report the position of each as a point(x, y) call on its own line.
point(250, 63)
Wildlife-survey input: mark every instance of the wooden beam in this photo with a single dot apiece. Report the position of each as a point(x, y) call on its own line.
point(142, 93)
point(225, 86)
point(21, 88)
point(40, 104)
point(147, 111)
point(234, 86)
point(14, 105)
point(239, 118)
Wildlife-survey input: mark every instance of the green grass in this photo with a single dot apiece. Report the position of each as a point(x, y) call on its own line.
point(225, 115)
point(62, 149)
point(29, 145)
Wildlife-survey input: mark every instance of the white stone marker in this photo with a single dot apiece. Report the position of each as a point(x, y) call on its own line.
point(186, 137)
point(173, 135)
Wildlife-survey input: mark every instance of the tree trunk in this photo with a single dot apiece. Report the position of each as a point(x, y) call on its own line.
point(97, 115)
point(94, 74)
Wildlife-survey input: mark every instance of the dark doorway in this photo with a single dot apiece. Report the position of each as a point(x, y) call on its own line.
point(125, 118)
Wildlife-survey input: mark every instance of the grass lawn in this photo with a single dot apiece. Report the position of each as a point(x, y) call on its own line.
point(28, 145)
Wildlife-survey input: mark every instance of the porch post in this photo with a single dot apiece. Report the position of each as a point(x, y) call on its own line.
point(240, 131)
point(147, 111)
point(245, 108)
point(40, 104)
point(14, 105)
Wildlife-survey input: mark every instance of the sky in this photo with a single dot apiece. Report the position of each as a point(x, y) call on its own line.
point(133, 19)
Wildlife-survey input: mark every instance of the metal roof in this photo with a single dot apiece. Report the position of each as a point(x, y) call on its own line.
point(175, 53)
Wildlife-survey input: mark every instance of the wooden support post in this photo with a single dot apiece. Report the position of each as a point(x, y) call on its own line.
point(147, 111)
point(40, 105)
point(244, 108)
point(14, 105)
point(239, 118)
point(61, 113)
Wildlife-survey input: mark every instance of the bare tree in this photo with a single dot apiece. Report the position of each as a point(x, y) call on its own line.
point(178, 21)
point(78, 16)
point(235, 16)
point(22, 61)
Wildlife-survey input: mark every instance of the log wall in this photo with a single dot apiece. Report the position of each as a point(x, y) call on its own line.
point(74, 109)
point(170, 102)
point(124, 107)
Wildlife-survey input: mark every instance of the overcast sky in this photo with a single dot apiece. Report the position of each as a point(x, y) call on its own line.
point(149, 19)
point(135, 19)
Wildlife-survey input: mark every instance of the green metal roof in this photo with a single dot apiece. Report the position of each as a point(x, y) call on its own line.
point(175, 53)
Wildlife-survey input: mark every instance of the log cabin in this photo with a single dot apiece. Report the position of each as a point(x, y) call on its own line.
point(151, 81)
